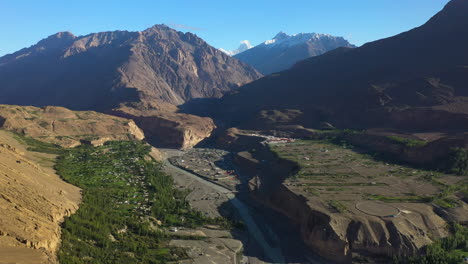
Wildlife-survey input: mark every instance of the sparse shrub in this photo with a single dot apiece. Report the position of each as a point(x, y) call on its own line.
point(39, 146)
point(408, 142)
point(449, 250)
point(338, 206)
point(43, 124)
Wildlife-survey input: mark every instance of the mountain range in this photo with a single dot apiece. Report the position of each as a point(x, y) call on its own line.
point(400, 99)
point(283, 51)
point(126, 73)
point(104, 69)
point(414, 80)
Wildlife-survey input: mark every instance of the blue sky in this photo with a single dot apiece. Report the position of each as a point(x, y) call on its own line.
point(223, 24)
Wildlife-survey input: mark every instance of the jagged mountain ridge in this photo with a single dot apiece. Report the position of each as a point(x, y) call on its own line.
point(101, 70)
point(123, 73)
point(414, 80)
point(283, 51)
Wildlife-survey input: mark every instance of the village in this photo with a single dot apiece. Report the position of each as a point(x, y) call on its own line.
point(215, 165)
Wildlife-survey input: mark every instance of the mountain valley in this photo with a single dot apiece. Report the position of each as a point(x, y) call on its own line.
point(154, 147)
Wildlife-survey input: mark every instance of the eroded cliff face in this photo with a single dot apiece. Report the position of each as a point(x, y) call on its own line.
point(338, 236)
point(169, 129)
point(33, 202)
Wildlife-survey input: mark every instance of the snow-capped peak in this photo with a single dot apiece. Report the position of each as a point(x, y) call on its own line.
point(291, 40)
point(281, 35)
point(244, 45)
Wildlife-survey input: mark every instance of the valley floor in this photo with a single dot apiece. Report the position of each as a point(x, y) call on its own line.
point(268, 238)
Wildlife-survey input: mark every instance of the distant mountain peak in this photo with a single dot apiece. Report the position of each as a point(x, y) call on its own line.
point(158, 27)
point(281, 35)
point(60, 36)
point(283, 50)
point(244, 45)
point(64, 34)
point(296, 39)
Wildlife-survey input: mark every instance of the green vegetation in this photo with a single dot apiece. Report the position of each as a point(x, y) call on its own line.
point(408, 141)
point(125, 195)
point(449, 250)
point(400, 199)
point(39, 146)
point(128, 204)
point(338, 206)
point(445, 197)
point(458, 161)
point(44, 124)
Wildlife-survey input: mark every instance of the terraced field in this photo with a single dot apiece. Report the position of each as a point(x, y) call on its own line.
point(342, 177)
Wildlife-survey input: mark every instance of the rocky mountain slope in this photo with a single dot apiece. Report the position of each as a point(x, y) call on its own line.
point(283, 51)
point(155, 69)
point(67, 128)
point(415, 80)
point(30, 224)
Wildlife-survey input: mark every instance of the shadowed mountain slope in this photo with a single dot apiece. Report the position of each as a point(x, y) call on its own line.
point(415, 80)
point(153, 70)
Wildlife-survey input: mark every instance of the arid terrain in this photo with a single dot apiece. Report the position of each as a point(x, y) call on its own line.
point(34, 201)
point(67, 128)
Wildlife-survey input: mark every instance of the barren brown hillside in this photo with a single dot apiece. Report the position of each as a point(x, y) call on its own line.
point(33, 202)
point(67, 128)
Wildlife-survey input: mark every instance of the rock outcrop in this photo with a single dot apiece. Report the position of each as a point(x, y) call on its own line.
point(166, 129)
point(33, 202)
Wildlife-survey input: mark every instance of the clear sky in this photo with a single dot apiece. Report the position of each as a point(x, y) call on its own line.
point(223, 24)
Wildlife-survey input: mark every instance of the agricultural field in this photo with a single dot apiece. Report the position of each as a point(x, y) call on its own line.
point(348, 181)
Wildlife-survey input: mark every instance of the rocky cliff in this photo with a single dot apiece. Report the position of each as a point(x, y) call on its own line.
point(167, 129)
point(337, 237)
